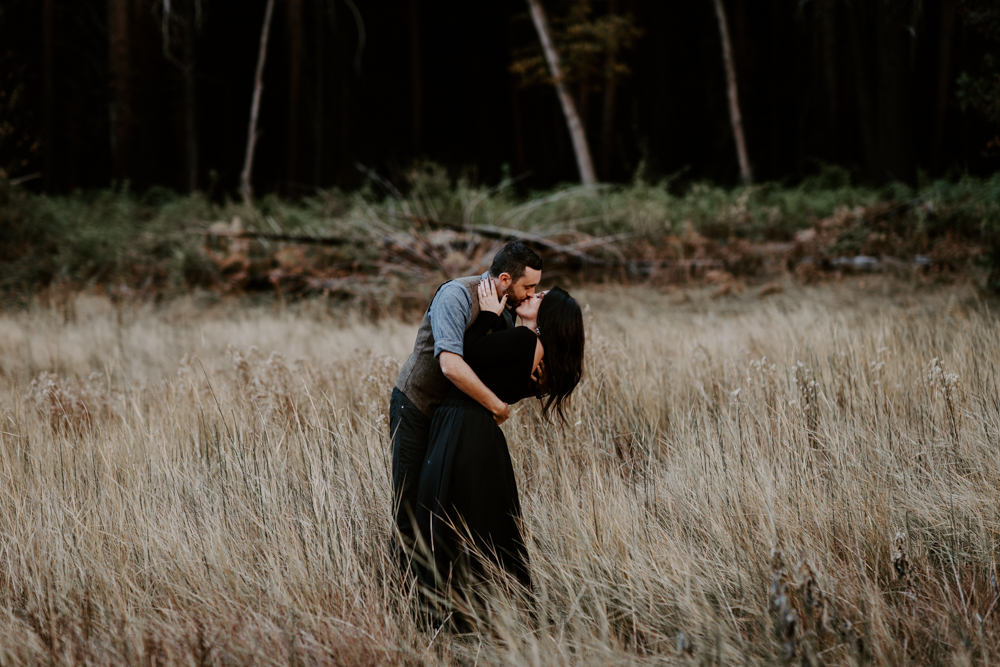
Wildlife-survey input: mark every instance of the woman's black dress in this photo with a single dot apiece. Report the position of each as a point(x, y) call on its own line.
point(467, 494)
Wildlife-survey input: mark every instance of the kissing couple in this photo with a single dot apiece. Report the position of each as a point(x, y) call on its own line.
point(455, 498)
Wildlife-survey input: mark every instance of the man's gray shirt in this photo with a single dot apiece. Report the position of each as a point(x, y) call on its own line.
point(449, 314)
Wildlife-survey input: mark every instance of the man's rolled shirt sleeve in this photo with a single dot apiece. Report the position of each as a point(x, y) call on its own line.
point(450, 313)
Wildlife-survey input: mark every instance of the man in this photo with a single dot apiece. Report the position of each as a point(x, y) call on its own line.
point(437, 362)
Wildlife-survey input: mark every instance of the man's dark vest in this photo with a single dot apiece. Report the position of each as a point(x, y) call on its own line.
point(421, 379)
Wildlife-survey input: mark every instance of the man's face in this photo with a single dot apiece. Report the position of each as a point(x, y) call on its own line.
point(521, 289)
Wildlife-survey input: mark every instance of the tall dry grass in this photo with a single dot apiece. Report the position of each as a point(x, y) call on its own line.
point(811, 478)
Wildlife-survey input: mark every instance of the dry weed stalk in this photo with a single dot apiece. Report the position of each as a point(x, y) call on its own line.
point(219, 492)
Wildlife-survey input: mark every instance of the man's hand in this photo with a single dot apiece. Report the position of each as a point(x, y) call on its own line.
point(539, 379)
point(539, 372)
point(503, 415)
point(488, 297)
point(457, 370)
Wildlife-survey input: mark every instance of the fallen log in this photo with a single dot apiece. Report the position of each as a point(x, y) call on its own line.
point(286, 238)
point(504, 234)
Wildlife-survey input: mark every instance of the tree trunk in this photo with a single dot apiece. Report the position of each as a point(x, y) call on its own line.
point(583, 106)
point(416, 84)
point(294, 14)
point(583, 161)
point(258, 88)
point(515, 108)
point(734, 101)
point(608, 112)
point(608, 127)
point(318, 131)
point(190, 98)
point(120, 109)
point(828, 28)
point(345, 131)
point(948, 8)
point(895, 145)
point(860, 36)
point(515, 104)
point(741, 42)
point(48, 34)
point(558, 123)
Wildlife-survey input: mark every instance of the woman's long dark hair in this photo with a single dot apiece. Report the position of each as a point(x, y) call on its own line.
point(560, 328)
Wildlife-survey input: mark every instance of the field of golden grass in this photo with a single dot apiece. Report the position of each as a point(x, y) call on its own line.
point(810, 477)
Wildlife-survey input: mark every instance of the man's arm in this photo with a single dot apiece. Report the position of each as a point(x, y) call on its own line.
point(450, 312)
point(455, 369)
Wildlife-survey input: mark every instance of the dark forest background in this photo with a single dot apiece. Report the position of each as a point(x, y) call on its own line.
point(93, 93)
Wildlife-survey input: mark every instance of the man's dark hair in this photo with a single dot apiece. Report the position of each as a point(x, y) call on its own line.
point(513, 258)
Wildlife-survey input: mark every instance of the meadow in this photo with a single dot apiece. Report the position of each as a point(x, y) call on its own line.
point(806, 477)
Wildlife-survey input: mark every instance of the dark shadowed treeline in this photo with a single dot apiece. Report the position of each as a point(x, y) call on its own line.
point(157, 92)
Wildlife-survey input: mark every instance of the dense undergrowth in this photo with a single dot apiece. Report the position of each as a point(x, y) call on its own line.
point(118, 239)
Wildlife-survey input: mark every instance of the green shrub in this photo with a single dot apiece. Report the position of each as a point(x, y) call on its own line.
point(148, 242)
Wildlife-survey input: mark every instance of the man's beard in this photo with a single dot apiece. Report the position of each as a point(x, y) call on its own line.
point(512, 301)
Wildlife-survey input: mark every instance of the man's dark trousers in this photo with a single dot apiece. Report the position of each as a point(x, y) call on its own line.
point(410, 431)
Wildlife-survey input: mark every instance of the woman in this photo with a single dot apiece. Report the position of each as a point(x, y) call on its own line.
point(467, 499)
